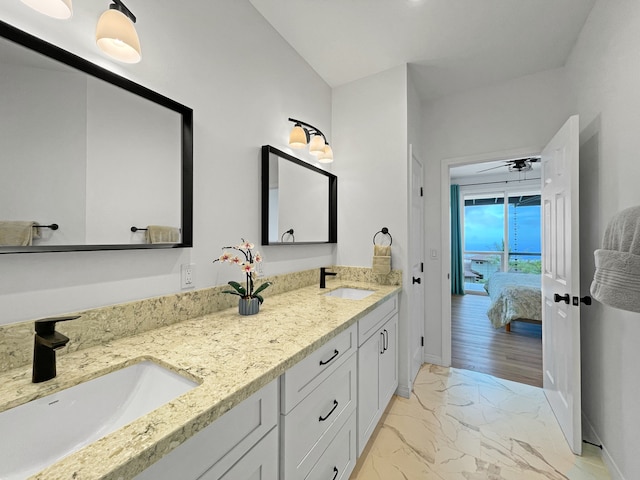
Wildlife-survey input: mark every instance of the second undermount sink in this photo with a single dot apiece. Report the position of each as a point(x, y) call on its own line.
point(45, 430)
point(350, 293)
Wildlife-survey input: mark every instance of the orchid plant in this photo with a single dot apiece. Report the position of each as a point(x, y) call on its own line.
point(247, 261)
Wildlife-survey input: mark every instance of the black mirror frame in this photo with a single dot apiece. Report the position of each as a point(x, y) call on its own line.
point(332, 227)
point(36, 44)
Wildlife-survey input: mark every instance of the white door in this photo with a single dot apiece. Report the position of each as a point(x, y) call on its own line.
point(416, 331)
point(561, 281)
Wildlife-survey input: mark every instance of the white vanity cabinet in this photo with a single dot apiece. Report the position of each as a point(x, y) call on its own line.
point(242, 444)
point(377, 366)
point(318, 404)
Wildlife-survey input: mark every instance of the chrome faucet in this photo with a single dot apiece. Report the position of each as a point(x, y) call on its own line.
point(46, 342)
point(323, 276)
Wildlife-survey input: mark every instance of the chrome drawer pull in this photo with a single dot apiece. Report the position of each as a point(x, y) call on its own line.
point(335, 354)
point(335, 405)
point(335, 473)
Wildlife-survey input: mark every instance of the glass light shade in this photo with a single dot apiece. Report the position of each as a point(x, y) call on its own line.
point(326, 156)
point(297, 137)
point(316, 145)
point(117, 37)
point(61, 9)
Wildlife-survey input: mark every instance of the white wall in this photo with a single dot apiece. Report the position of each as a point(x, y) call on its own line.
point(370, 146)
point(603, 72)
point(243, 82)
point(520, 113)
point(133, 178)
point(303, 203)
point(25, 91)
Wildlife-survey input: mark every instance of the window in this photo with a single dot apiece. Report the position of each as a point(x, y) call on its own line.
point(499, 239)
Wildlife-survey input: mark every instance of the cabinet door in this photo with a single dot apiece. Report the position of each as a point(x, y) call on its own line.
point(368, 388)
point(389, 362)
point(259, 463)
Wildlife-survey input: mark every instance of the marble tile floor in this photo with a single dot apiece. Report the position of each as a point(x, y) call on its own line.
point(464, 425)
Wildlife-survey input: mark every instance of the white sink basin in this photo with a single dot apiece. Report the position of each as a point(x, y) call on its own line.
point(45, 430)
point(350, 293)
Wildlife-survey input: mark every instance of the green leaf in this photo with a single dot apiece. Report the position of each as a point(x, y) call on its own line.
point(261, 288)
point(232, 292)
point(259, 297)
point(238, 288)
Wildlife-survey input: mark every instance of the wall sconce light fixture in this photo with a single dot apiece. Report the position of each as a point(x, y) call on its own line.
point(116, 35)
point(61, 9)
point(303, 134)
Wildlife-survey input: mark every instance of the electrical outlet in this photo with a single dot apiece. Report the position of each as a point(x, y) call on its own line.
point(187, 277)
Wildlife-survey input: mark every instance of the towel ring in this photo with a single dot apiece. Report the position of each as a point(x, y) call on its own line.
point(384, 231)
point(290, 232)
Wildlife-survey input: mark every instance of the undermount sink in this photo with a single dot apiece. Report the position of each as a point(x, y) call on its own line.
point(43, 431)
point(350, 293)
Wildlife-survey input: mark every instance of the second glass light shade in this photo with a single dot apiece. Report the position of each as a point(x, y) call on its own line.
point(316, 145)
point(117, 37)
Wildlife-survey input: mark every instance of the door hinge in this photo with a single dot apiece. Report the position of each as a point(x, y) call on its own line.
point(421, 192)
point(421, 267)
point(422, 341)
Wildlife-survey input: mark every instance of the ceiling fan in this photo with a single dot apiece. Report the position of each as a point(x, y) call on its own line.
point(517, 165)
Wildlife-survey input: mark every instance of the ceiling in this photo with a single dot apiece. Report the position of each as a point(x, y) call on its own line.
point(450, 45)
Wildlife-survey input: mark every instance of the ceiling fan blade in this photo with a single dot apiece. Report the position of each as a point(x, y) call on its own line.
point(492, 168)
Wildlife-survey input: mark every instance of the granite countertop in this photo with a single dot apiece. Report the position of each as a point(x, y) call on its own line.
point(230, 356)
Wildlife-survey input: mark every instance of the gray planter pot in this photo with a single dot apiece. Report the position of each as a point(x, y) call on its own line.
point(248, 306)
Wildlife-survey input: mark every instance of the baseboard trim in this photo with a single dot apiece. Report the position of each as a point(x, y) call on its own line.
point(589, 433)
point(403, 391)
point(433, 359)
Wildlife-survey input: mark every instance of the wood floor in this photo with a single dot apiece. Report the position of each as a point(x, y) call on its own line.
point(476, 345)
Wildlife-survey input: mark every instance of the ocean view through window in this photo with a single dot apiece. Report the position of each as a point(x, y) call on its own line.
point(496, 238)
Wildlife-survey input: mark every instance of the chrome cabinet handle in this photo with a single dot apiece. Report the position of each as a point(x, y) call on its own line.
point(335, 354)
point(386, 340)
point(335, 405)
point(382, 347)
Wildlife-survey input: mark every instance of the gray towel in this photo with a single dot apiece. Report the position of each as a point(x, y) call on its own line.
point(19, 234)
point(617, 278)
point(162, 234)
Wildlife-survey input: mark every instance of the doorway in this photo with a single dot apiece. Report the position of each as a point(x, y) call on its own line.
point(497, 194)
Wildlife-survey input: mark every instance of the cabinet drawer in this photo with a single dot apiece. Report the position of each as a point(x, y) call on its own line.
point(311, 425)
point(370, 323)
point(225, 440)
point(300, 380)
point(339, 458)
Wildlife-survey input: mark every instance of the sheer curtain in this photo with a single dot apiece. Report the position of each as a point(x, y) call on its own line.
point(457, 261)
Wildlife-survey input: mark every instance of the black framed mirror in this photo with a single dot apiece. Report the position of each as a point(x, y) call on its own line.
point(299, 201)
point(89, 156)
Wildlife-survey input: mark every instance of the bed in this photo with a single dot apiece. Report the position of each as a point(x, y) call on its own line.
point(514, 296)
